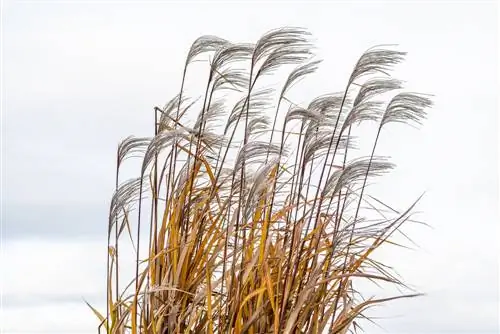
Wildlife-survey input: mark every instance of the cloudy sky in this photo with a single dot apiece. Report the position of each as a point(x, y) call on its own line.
point(78, 76)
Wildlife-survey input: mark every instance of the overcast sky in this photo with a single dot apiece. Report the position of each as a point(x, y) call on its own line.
point(80, 76)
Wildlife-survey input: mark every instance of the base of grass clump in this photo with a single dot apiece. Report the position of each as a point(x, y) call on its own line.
point(256, 219)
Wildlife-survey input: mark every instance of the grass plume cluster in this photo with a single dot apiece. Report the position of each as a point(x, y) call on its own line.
point(256, 219)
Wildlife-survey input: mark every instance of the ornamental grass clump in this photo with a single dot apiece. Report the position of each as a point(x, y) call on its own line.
point(250, 213)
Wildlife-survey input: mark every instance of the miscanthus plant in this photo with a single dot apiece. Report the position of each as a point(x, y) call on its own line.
point(254, 217)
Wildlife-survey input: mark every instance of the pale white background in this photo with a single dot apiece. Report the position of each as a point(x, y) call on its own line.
point(79, 76)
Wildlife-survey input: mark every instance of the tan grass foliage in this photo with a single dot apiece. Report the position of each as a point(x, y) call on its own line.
point(257, 221)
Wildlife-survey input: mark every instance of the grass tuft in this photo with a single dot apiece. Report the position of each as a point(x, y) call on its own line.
point(256, 220)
